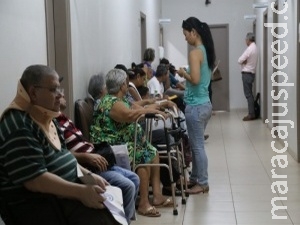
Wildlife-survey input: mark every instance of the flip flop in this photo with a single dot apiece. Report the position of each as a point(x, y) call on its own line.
point(167, 203)
point(150, 212)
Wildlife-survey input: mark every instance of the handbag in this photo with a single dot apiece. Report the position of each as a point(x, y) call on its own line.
point(216, 74)
point(106, 151)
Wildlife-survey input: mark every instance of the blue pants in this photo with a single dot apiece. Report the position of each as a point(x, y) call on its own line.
point(248, 79)
point(196, 120)
point(128, 182)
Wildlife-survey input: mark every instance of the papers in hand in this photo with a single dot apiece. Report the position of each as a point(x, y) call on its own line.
point(114, 203)
point(113, 197)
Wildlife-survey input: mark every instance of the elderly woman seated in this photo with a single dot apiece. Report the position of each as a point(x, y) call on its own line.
point(114, 122)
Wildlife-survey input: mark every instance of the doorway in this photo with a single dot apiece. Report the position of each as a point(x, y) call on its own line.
point(58, 28)
point(220, 89)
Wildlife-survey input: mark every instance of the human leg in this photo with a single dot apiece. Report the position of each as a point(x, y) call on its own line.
point(196, 119)
point(128, 182)
point(248, 80)
point(48, 210)
point(144, 207)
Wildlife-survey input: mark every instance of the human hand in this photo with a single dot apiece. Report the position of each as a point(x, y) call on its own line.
point(171, 104)
point(181, 72)
point(91, 196)
point(100, 181)
point(97, 161)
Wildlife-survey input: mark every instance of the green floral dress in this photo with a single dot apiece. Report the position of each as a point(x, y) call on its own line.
point(106, 129)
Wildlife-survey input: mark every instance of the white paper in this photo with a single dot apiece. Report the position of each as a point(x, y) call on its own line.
point(114, 203)
point(122, 157)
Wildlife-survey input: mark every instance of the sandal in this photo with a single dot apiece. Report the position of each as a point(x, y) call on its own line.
point(167, 203)
point(150, 212)
point(196, 189)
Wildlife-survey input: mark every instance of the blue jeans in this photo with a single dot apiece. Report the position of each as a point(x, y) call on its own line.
point(128, 182)
point(196, 121)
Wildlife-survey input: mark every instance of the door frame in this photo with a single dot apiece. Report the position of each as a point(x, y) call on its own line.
point(59, 54)
point(224, 65)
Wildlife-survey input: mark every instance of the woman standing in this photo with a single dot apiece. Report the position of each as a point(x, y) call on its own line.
point(198, 106)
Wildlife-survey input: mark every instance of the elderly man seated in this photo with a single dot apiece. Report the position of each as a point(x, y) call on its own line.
point(34, 160)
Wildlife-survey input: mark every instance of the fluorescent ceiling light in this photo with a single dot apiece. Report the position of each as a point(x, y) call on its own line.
point(260, 5)
point(164, 21)
point(250, 17)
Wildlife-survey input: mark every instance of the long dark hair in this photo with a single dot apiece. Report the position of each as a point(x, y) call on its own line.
point(203, 30)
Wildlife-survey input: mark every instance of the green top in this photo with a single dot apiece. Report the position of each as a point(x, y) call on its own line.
point(198, 94)
point(104, 128)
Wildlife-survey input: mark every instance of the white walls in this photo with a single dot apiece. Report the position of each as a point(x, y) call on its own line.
point(287, 17)
point(105, 33)
point(22, 42)
point(218, 12)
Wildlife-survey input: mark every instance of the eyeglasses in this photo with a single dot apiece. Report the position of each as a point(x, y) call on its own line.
point(54, 90)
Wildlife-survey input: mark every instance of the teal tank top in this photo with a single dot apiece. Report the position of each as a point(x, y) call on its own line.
point(198, 94)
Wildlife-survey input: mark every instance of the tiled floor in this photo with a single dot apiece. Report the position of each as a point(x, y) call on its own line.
point(239, 156)
point(240, 179)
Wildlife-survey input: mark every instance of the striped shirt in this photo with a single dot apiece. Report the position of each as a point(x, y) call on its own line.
point(73, 137)
point(25, 153)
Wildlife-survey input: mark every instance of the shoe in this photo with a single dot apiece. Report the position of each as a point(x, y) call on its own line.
point(248, 118)
point(197, 189)
point(166, 191)
point(206, 136)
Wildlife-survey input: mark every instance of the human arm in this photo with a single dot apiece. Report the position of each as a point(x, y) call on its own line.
point(243, 58)
point(92, 159)
point(134, 94)
point(180, 86)
point(120, 113)
point(195, 60)
point(49, 183)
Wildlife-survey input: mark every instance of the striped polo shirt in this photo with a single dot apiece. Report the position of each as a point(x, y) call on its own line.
point(25, 153)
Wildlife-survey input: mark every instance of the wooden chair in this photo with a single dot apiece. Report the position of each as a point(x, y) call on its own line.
point(84, 109)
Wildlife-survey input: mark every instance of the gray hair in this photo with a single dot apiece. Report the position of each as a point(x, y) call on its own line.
point(250, 36)
point(96, 85)
point(115, 78)
point(34, 74)
point(162, 69)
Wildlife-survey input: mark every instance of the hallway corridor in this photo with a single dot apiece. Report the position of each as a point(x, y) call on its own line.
point(239, 155)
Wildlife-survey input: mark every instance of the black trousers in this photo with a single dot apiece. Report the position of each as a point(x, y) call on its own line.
point(55, 211)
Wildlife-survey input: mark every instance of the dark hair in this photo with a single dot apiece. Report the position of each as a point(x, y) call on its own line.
point(122, 67)
point(172, 69)
point(203, 30)
point(164, 61)
point(132, 73)
point(149, 55)
point(133, 65)
point(161, 70)
point(143, 90)
point(34, 74)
